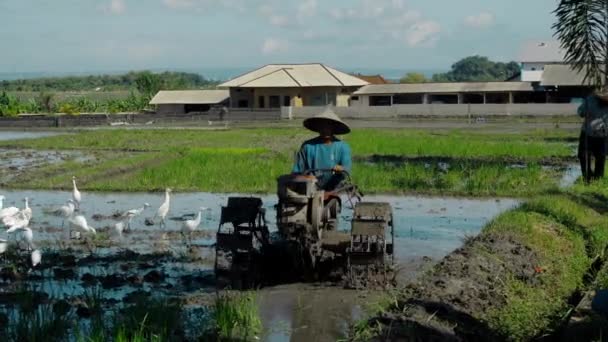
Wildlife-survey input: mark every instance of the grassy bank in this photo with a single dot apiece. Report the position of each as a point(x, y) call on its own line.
point(515, 281)
point(249, 160)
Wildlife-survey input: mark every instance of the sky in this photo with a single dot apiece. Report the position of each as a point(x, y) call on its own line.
point(111, 35)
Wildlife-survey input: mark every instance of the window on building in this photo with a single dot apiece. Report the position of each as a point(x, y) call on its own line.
point(408, 99)
point(533, 69)
point(274, 101)
point(354, 98)
point(196, 108)
point(287, 101)
point(262, 101)
point(379, 101)
point(443, 98)
point(243, 104)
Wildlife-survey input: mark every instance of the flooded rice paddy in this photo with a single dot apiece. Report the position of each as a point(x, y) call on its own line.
point(150, 260)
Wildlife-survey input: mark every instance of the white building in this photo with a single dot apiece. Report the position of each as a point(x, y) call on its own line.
point(535, 56)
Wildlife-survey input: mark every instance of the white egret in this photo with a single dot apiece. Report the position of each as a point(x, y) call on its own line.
point(130, 214)
point(16, 221)
point(79, 223)
point(76, 196)
point(3, 246)
point(4, 212)
point(66, 211)
point(189, 226)
point(119, 228)
point(163, 210)
point(27, 211)
point(36, 258)
point(27, 235)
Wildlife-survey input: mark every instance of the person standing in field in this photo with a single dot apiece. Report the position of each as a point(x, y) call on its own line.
point(594, 135)
point(327, 155)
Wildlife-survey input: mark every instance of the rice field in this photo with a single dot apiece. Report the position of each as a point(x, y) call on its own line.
point(250, 160)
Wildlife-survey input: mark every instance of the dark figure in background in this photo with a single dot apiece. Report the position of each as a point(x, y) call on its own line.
point(594, 133)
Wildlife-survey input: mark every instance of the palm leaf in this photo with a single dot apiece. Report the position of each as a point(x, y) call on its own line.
point(581, 28)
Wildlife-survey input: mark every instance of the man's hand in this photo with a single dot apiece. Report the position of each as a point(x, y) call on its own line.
point(338, 168)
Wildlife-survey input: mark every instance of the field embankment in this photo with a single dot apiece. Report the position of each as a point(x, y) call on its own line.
point(441, 162)
point(518, 280)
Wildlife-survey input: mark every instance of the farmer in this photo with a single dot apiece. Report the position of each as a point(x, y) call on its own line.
point(594, 133)
point(326, 153)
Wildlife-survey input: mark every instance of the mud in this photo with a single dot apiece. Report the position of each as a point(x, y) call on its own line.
point(153, 261)
point(448, 302)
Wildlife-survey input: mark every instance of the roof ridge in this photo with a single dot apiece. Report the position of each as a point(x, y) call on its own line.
point(261, 76)
point(293, 78)
point(332, 74)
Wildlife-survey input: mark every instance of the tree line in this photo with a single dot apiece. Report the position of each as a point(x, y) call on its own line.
point(166, 80)
point(469, 69)
point(142, 86)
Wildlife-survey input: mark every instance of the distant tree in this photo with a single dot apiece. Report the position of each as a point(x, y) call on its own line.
point(582, 30)
point(413, 77)
point(45, 101)
point(478, 68)
point(128, 81)
point(148, 83)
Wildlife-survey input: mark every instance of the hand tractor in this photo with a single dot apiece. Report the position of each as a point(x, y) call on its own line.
point(308, 245)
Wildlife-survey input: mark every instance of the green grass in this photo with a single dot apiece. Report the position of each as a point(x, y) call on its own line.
point(250, 160)
point(533, 308)
point(236, 317)
point(566, 232)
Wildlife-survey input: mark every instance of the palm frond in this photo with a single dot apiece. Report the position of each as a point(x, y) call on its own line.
point(582, 30)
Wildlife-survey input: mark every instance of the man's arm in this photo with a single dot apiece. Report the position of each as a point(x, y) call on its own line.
point(346, 159)
point(300, 165)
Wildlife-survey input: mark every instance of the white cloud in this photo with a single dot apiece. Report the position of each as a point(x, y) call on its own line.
point(307, 8)
point(238, 5)
point(114, 7)
point(273, 45)
point(175, 4)
point(481, 20)
point(423, 33)
point(118, 6)
point(279, 20)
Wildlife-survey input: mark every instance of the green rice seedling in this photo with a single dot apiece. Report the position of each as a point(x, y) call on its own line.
point(236, 317)
point(152, 318)
point(40, 324)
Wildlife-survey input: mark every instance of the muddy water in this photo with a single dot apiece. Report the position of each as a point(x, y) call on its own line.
point(426, 229)
point(14, 135)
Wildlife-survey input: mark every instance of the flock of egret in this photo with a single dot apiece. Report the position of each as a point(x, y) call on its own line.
point(16, 221)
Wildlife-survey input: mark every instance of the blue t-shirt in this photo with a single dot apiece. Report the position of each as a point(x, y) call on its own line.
point(315, 154)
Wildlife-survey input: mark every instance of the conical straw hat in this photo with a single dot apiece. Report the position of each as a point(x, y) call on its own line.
point(314, 123)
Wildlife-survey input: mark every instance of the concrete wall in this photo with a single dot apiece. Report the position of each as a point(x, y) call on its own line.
point(446, 110)
point(90, 120)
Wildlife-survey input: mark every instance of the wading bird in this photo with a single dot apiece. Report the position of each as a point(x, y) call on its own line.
point(27, 211)
point(129, 215)
point(79, 223)
point(3, 246)
point(15, 222)
point(76, 196)
point(163, 210)
point(189, 226)
point(36, 258)
point(5, 212)
point(20, 219)
point(119, 227)
point(26, 234)
point(66, 211)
